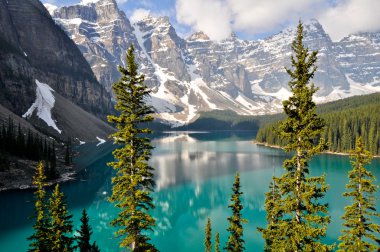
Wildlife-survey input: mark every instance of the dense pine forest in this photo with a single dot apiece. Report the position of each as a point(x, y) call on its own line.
point(18, 142)
point(345, 121)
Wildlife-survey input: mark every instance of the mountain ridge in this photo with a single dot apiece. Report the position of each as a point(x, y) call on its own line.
point(194, 74)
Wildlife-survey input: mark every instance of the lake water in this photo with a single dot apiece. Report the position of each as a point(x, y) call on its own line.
point(194, 176)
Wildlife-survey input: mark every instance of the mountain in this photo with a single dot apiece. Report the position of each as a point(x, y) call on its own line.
point(196, 74)
point(45, 78)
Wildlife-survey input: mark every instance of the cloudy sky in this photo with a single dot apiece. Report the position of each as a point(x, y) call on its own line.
point(252, 19)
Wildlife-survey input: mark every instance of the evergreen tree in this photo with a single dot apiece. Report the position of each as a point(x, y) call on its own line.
point(134, 178)
point(303, 219)
point(85, 232)
point(94, 248)
point(39, 239)
point(208, 234)
point(359, 226)
point(217, 242)
point(235, 241)
point(67, 152)
point(274, 214)
point(60, 223)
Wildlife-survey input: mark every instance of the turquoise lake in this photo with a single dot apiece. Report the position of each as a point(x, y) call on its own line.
point(194, 176)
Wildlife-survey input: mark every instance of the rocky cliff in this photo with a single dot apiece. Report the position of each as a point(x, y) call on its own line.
point(33, 48)
point(197, 74)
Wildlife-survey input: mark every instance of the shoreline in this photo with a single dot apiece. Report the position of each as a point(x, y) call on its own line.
point(325, 152)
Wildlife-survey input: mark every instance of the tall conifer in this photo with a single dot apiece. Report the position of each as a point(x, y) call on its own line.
point(217, 243)
point(85, 232)
point(303, 219)
point(359, 228)
point(208, 234)
point(134, 178)
point(274, 214)
point(60, 223)
point(39, 239)
point(235, 241)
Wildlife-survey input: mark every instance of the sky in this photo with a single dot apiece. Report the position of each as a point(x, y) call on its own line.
point(254, 19)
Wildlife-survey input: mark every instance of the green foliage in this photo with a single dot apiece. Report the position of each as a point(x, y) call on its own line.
point(60, 239)
point(217, 243)
point(134, 178)
point(274, 215)
point(39, 240)
point(359, 228)
point(68, 156)
point(33, 147)
point(345, 120)
point(235, 241)
point(85, 232)
point(208, 234)
point(298, 220)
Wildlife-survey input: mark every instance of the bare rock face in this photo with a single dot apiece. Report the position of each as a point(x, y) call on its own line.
point(359, 57)
point(102, 33)
point(197, 74)
point(34, 47)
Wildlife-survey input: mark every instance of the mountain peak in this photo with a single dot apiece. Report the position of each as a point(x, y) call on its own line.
point(51, 8)
point(97, 2)
point(199, 35)
point(87, 2)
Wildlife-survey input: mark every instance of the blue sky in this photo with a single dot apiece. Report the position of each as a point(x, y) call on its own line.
point(252, 19)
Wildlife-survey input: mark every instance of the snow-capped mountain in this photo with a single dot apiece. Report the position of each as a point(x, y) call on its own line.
point(197, 74)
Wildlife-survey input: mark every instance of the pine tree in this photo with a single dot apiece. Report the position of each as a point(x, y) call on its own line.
point(208, 234)
point(67, 152)
point(60, 223)
point(94, 248)
point(134, 178)
point(235, 241)
point(274, 214)
point(303, 219)
point(217, 242)
point(85, 232)
point(359, 226)
point(39, 239)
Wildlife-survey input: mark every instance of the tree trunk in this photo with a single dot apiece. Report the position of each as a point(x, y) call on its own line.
point(298, 178)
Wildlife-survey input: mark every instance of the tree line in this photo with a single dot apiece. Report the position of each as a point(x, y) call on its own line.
point(14, 141)
point(342, 128)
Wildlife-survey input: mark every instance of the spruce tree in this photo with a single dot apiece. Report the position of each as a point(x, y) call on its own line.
point(274, 214)
point(94, 248)
point(303, 219)
point(134, 181)
point(217, 243)
point(39, 239)
point(208, 234)
point(85, 232)
point(359, 228)
point(60, 223)
point(235, 241)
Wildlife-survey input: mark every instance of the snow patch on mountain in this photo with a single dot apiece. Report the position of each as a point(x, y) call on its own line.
point(86, 2)
point(101, 141)
point(51, 8)
point(44, 103)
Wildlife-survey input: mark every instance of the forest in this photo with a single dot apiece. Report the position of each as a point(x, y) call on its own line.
point(345, 121)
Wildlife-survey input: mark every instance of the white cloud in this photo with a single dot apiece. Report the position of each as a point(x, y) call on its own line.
point(260, 16)
point(351, 16)
point(209, 16)
point(139, 14)
point(218, 18)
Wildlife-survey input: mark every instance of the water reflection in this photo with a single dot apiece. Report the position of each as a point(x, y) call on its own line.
point(194, 176)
